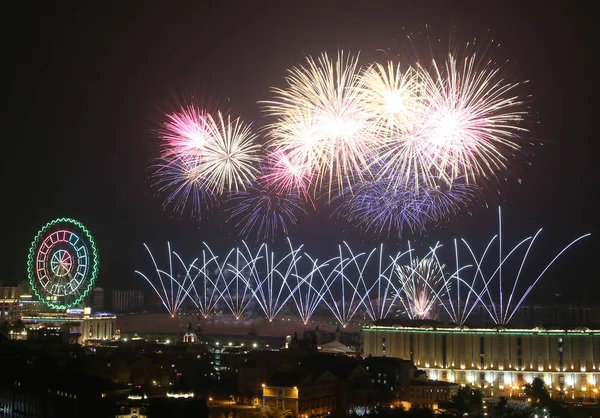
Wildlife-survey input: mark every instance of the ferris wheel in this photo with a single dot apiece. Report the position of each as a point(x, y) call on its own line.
point(62, 263)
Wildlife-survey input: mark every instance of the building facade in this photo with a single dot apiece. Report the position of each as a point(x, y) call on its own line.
point(98, 327)
point(127, 300)
point(76, 323)
point(9, 304)
point(499, 361)
point(98, 299)
point(429, 393)
point(319, 397)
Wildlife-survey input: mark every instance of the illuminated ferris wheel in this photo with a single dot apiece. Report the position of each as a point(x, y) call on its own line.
point(62, 263)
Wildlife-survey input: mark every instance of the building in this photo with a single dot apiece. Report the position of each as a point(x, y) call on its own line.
point(311, 396)
point(499, 361)
point(98, 299)
point(390, 378)
point(320, 385)
point(397, 382)
point(132, 411)
point(190, 336)
point(136, 406)
point(251, 375)
point(127, 300)
point(26, 391)
point(336, 347)
point(74, 325)
point(429, 393)
point(30, 305)
point(9, 304)
point(98, 327)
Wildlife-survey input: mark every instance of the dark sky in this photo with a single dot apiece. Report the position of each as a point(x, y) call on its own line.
point(83, 85)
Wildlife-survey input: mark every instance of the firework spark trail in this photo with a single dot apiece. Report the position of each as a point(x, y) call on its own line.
point(321, 122)
point(174, 293)
point(270, 279)
point(309, 289)
point(501, 313)
point(511, 312)
point(377, 297)
point(207, 300)
point(233, 282)
point(458, 307)
point(383, 290)
point(339, 282)
point(342, 284)
point(422, 285)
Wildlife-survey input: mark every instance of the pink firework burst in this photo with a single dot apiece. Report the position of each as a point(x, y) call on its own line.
point(472, 120)
point(289, 174)
point(185, 132)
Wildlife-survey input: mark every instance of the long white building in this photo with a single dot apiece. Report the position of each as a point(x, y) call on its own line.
point(499, 361)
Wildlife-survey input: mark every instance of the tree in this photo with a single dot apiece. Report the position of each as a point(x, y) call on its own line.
point(266, 412)
point(4, 328)
point(468, 400)
point(502, 407)
point(270, 412)
point(537, 393)
point(18, 326)
point(420, 413)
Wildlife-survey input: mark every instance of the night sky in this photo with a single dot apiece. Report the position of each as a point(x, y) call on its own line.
point(84, 85)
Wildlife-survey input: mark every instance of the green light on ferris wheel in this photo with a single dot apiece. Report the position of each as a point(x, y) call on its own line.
point(62, 263)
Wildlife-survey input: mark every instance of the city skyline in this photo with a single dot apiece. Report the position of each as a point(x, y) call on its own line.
point(87, 84)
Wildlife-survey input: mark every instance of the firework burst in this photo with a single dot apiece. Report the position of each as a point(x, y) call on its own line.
point(321, 123)
point(289, 176)
point(393, 96)
point(379, 209)
point(474, 118)
point(180, 180)
point(264, 211)
point(394, 147)
point(231, 155)
point(205, 151)
point(185, 132)
point(468, 122)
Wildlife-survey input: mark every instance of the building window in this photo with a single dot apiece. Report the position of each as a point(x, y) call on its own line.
point(560, 354)
point(519, 352)
point(481, 352)
point(444, 351)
